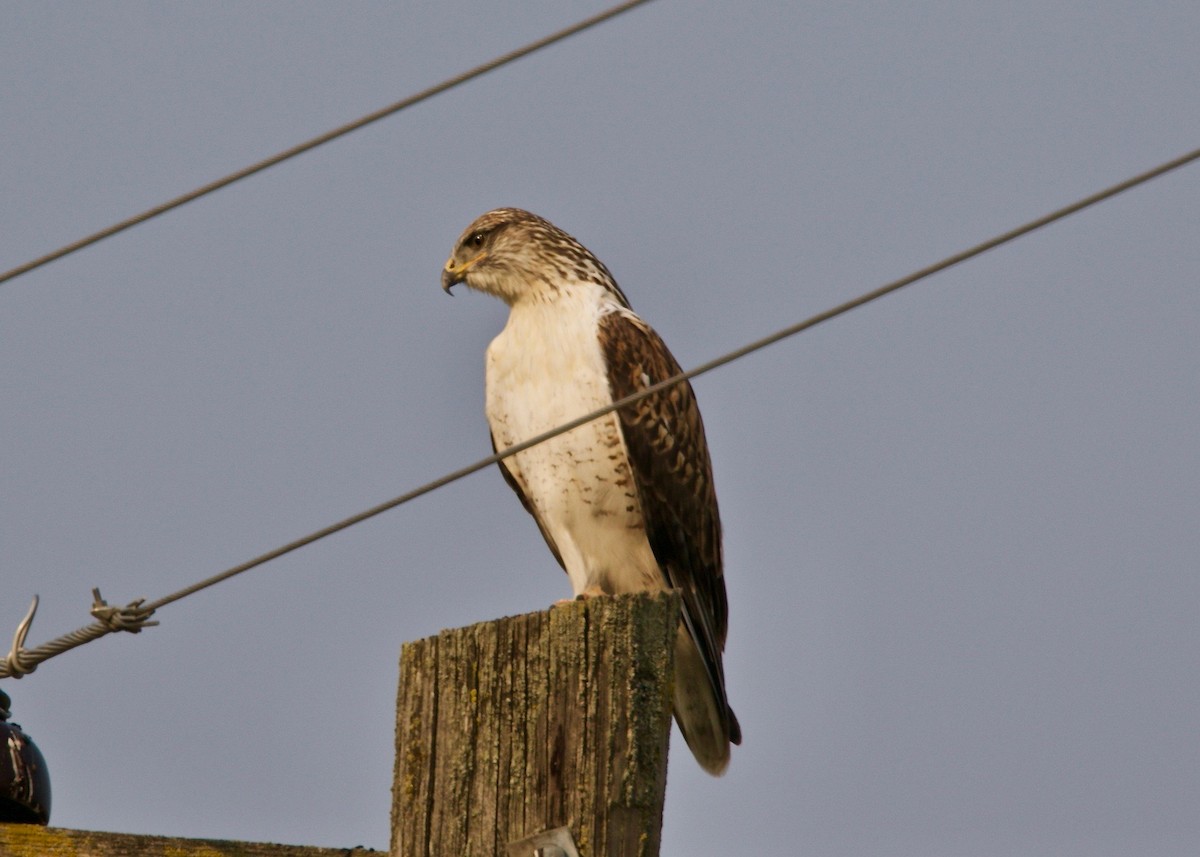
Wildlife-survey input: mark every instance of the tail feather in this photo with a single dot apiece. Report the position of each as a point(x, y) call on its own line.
point(707, 722)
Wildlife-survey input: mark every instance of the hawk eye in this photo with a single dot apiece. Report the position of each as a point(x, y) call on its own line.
point(476, 240)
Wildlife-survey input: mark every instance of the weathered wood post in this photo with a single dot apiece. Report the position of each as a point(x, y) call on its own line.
point(561, 718)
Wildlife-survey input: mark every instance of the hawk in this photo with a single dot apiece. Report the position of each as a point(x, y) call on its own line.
point(626, 502)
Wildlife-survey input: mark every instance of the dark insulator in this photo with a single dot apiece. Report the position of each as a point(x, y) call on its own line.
point(24, 779)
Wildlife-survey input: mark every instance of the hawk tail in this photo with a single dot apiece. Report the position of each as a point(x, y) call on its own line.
point(707, 722)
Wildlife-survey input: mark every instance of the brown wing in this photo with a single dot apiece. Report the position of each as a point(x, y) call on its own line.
point(669, 457)
point(515, 485)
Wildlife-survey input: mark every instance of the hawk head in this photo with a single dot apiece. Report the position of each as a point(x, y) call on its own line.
point(515, 255)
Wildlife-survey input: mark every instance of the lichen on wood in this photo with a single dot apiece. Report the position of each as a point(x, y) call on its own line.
point(558, 718)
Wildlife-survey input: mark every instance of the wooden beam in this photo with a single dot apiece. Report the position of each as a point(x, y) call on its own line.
point(512, 727)
point(30, 840)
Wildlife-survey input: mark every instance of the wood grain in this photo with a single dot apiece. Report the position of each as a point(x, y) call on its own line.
point(558, 718)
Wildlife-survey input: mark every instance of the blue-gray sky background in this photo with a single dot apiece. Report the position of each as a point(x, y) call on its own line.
point(962, 524)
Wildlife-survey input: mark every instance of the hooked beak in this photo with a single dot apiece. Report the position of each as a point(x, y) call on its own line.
point(454, 272)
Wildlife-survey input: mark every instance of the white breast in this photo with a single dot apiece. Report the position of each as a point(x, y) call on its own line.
point(544, 369)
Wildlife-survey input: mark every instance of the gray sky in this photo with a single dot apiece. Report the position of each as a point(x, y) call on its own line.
point(962, 524)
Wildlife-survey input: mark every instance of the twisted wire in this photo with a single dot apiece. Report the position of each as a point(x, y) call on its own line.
point(21, 662)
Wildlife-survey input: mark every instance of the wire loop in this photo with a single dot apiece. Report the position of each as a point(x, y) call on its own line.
point(16, 662)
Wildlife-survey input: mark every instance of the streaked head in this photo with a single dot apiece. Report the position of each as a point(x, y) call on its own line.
point(513, 254)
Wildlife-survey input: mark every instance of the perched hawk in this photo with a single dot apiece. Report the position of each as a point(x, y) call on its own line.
point(625, 502)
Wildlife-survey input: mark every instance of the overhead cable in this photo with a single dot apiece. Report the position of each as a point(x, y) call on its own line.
point(137, 612)
point(340, 131)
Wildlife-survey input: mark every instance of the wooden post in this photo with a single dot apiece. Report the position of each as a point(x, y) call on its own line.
point(509, 728)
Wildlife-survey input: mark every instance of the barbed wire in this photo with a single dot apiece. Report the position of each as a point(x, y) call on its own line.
point(134, 616)
point(307, 145)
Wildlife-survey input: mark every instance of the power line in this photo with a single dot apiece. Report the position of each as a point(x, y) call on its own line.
point(133, 617)
point(341, 130)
